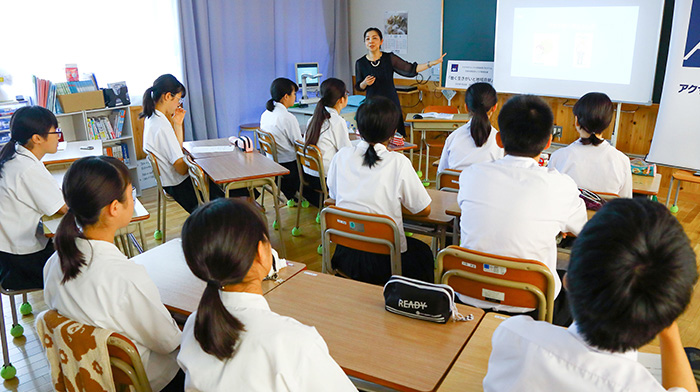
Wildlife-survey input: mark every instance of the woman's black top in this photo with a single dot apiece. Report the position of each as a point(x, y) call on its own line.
point(384, 74)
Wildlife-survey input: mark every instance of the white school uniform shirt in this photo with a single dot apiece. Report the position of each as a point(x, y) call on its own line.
point(460, 150)
point(285, 128)
point(529, 355)
point(513, 207)
point(274, 354)
point(600, 168)
point(27, 192)
point(159, 139)
point(113, 293)
point(383, 189)
point(333, 137)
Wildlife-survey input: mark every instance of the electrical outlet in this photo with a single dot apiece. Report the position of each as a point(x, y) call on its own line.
point(557, 131)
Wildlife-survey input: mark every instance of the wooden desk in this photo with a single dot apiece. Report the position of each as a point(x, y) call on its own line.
point(74, 151)
point(469, 370)
point(438, 221)
point(679, 176)
point(646, 185)
point(191, 148)
point(179, 289)
point(368, 342)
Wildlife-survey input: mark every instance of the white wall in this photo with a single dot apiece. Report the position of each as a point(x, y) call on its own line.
point(424, 28)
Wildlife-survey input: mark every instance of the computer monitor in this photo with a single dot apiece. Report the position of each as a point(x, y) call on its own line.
point(307, 68)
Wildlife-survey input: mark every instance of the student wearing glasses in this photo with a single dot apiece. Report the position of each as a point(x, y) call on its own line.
point(27, 192)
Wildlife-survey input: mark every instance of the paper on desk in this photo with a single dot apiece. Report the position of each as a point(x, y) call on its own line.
point(441, 116)
point(62, 146)
point(279, 262)
point(652, 362)
point(208, 149)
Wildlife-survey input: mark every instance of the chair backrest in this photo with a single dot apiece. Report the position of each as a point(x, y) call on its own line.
point(127, 368)
point(267, 143)
point(448, 180)
point(607, 196)
point(503, 280)
point(310, 157)
point(200, 184)
point(441, 109)
point(360, 230)
point(156, 170)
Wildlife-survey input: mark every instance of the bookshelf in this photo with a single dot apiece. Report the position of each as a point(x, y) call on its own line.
point(6, 110)
point(77, 126)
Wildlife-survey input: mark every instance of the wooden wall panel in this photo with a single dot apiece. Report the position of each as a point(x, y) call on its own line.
point(137, 129)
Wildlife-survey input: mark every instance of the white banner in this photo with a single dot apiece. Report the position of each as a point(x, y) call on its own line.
point(462, 74)
point(676, 139)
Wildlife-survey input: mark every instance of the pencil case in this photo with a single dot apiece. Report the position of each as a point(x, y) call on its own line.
point(642, 168)
point(420, 300)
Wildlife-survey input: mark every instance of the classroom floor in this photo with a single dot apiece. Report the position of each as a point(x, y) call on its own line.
point(33, 372)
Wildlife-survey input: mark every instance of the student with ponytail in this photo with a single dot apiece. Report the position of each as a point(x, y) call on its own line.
point(90, 281)
point(234, 341)
point(369, 178)
point(591, 161)
point(27, 192)
point(284, 127)
point(327, 130)
point(475, 141)
point(161, 105)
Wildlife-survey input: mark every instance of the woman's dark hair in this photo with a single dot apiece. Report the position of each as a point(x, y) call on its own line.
point(164, 84)
point(278, 89)
point(90, 184)
point(332, 90)
point(631, 274)
point(594, 112)
point(480, 98)
point(379, 32)
point(376, 120)
point(220, 242)
point(26, 122)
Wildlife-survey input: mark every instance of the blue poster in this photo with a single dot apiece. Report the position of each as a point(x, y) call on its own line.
point(691, 54)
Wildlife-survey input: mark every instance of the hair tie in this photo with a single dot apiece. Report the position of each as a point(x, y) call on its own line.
point(212, 282)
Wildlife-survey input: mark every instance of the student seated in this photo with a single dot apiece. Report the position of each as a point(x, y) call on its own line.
point(234, 341)
point(162, 102)
point(631, 275)
point(369, 178)
point(27, 192)
point(591, 161)
point(90, 281)
point(284, 127)
point(475, 141)
point(327, 131)
point(513, 207)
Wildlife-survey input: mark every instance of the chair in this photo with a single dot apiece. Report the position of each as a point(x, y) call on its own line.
point(503, 280)
point(424, 141)
point(448, 180)
point(359, 230)
point(8, 371)
point(268, 145)
point(163, 199)
point(199, 182)
point(59, 333)
point(311, 158)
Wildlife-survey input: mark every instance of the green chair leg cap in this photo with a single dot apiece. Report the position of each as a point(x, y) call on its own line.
point(8, 372)
point(419, 173)
point(275, 225)
point(426, 183)
point(674, 209)
point(25, 308)
point(654, 198)
point(408, 234)
point(318, 218)
point(319, 250)
point(158, 235)
point(291, 203)
point(17, 331)
point(296, 231)
point(305, 204)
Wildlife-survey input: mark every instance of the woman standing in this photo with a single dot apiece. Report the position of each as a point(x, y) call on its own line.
point(374, 72)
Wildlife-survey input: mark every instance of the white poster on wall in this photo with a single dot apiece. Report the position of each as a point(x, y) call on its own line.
point(676, 140)
point(462, 74)
point(395, 32)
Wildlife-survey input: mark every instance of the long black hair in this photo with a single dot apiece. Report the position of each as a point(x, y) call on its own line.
point(594, 112)
point(480, 98)
point(164, 84)
point(332, 90)
point(26, 122)
point(90, 184)
point(278, 89)
point(220, 242)
point(376, 120)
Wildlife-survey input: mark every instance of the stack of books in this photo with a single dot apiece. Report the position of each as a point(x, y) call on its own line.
point(106, 128)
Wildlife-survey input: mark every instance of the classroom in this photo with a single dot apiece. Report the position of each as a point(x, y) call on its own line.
point(318, 195)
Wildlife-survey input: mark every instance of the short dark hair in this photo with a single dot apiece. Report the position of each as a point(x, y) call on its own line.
point(525, 124)
point(631, 274)
point(376, 120)
point(376, 30)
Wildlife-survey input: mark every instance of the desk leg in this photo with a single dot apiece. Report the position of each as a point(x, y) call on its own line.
point(668, 196)
point(455, 231)
point(283, 250)
point(678, 191)
point(143, 239)
point(410, 138)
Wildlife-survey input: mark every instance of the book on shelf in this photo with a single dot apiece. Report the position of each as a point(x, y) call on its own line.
point(119, 151)
point(106, 127)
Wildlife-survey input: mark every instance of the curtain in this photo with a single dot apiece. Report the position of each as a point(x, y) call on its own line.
point(232, 50)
